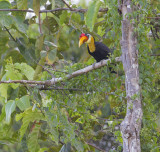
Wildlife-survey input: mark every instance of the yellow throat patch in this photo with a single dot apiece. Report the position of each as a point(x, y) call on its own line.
point(91, 44)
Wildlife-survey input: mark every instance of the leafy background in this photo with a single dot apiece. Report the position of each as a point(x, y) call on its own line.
point(84, 113)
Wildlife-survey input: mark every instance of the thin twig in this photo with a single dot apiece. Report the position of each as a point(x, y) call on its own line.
point(25, 82)
point(45, 69)
point(59, 88)
point(94, 146)
point(10, 34)
point(57, 9)
point(16, 10)
point(153, 17)
point(155, 54)
point(67, 5)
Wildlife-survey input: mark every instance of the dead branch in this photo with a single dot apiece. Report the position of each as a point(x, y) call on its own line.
point(68, 76)
point(56, 9)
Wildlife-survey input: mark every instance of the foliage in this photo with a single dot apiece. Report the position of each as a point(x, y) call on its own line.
point(85, 108)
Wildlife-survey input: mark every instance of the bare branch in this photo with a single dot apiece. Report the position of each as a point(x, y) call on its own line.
point(93, 145)
point(56, 9)
point(67, 5)
point(10, 34)
point(68, 76)
point(84, 70)
point(25, 82)
point(60, 88)
point(155, 54)
point(16, 10)
point(153, 17)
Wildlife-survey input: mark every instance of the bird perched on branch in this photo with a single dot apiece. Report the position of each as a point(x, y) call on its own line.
point(96, 49)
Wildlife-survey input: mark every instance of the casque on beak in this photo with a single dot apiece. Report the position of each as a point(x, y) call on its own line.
point(82, 39)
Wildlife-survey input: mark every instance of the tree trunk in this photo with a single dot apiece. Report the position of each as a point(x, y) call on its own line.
point(131, 125)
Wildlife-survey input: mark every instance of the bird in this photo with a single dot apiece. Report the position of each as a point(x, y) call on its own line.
point(96, 49)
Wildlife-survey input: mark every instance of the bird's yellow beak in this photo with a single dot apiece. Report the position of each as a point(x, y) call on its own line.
point(82, 40)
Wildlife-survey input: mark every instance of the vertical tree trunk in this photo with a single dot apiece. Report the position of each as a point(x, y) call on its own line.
point(131, 125)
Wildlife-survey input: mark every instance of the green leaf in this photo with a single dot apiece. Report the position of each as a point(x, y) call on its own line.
point(27, 70)
point(9, 108)
point(53, 123)
point(22, 4)
point(43, 54)
point(39, 42)
point(4, 5)
point(3, 90)
point(32, 31)
point(19, 23)
point(23, 103)
point(43, 149)
point(12, 74)
point(52, 55)
point(54, 135)
point(3, 41)
point(6, 20)
point(92, 14)
point(59, 4)
point(39, 45)
point(51, 22)
point(27, 117)
point(53, 4)
point(76, 17)
point(50, 44)
point(36, 6)
point(33, 145)
point(63, 18)
point(15, 55)
point(3, 114)
point(19, 116)
point(78, 145)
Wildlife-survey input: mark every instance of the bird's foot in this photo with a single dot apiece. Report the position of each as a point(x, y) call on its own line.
point(101, 62)
point(93, 65)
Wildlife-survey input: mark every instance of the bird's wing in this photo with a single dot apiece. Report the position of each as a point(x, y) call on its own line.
point(102, 49)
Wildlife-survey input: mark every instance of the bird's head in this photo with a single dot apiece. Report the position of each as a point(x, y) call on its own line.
point(85, 38)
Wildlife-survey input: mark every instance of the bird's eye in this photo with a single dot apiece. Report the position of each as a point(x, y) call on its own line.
point(88, 35)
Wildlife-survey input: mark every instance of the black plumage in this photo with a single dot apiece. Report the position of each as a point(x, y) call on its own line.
point(101, 52)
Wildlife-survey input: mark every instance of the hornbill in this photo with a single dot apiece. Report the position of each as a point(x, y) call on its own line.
point(96, 49)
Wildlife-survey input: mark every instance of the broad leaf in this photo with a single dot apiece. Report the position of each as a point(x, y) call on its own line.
point(53, 4)
point(9, 108)
point(52, 56)
point(27, 70)
point(53, 123)
point(3, 90)
point(23, 103)
point(6, 20)
point(19, 23)
point(27, 117)
point(13, 74)
point(22, 4)
point(4, 5)
point(3, 114)
point(92, 13)
point(39, 45)
point(33, 145)
point(36, 6)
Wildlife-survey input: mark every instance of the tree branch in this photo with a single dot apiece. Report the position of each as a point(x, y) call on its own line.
point(60, 88)
point(56, 9)
point(93, 145)
point(10, 34)
point(67, 5)
point(68, 76)
point(155, 54)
